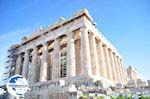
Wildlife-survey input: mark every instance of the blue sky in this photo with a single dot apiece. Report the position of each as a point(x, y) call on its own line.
point(126, 23)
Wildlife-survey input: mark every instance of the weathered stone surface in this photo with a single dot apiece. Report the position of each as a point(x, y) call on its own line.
point(69, 57)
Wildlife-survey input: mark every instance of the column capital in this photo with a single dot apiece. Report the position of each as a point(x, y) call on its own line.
point(104, 46)
point(100, 42)
point(70, 37)
point(84, 28)
point(26, 51)
point(92, 35)
point(110, 49)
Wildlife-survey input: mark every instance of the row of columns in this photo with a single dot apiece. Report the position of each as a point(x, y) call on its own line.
point(96, 59)
point(113, 66)
point(103, 62)
point(71, 69)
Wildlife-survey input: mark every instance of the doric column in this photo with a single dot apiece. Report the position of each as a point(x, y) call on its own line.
point(102, 64)
point(85, 52)
point(120, 69)
point(113, 66)
point(25, 64)
point(124, 79)
point(94, 56)
point(71, 68)
point(117, 68)
point(126, 76)
point(18, 64)
point(108, 66)
point(119, 72)
point(56, 67)
point(34, 65)
point(44, 64)
point(78, 57)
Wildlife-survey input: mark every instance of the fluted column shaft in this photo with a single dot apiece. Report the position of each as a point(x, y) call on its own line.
point(126, 76)
point(85, 52)
point(113, 66)
point(107, 60)
point(25, 64)
point(18, 64)
point(117, 68)
point(94, 56)
point(44, 64)
point(71, 68)
point(56, 67)
point(120, 70)
point(34, 65)
point(102, 63)
point(123, 72)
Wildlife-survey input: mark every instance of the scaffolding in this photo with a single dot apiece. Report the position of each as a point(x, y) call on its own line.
point(11, 60)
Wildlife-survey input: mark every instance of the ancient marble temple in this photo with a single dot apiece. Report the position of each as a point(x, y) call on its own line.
point(69, 52)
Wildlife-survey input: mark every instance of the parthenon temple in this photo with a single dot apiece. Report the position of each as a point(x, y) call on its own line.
point(70, 50)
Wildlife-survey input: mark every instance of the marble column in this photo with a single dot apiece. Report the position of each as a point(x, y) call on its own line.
point(85, 53)
point(120, 69)
point(25, 64)
point(113, 66)
point(18, 64)
point(123, 73)
point(56, 67)
point(126, 76)
point(117, 68)
point(78, 57)
point(94, 56)
point(125, 81)
point(71, 67)
point(44, 63)
point(102, 64)
point(34, 65)
point(107, 61)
